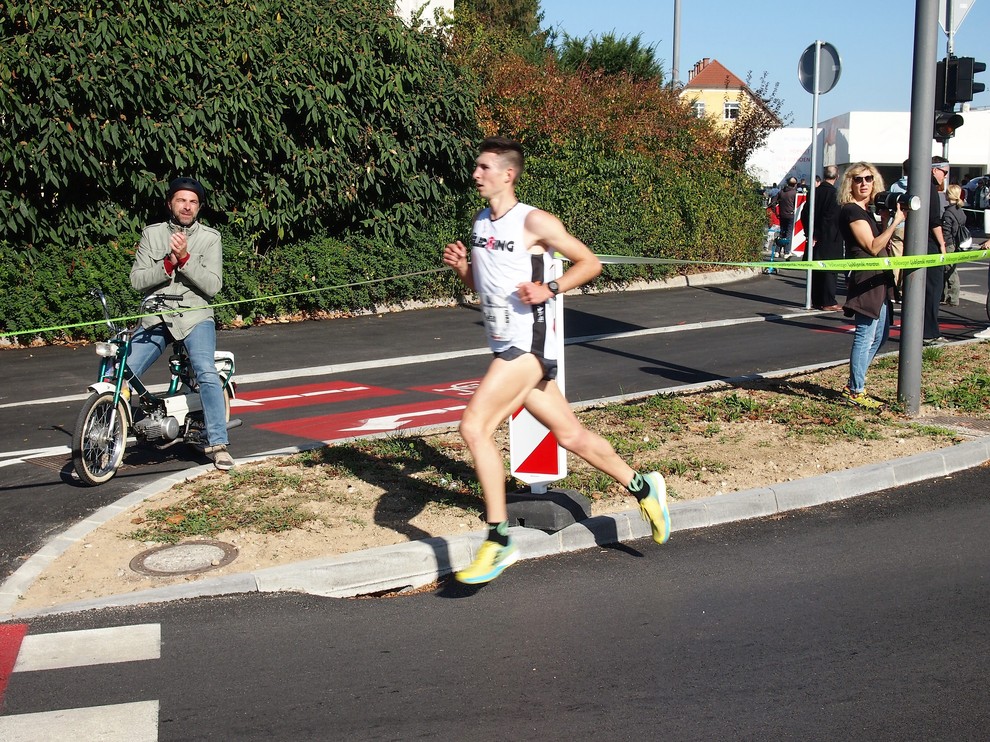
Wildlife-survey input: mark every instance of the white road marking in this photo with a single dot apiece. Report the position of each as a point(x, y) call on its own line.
point(122, 722)
point(89, 647)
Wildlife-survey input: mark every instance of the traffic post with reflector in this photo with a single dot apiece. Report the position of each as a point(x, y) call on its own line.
point(538, 460)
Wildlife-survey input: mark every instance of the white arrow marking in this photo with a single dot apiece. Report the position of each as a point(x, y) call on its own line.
point(394, 422)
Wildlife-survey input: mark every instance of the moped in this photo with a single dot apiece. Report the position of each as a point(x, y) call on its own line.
point(121, 402)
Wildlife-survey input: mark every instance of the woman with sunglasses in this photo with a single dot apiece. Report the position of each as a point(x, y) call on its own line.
point(869, 293)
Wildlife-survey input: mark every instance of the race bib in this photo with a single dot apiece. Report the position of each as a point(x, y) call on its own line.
point(497, 315)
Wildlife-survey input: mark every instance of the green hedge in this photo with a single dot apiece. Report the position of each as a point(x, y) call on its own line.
point(302, 117)
point(328, 133)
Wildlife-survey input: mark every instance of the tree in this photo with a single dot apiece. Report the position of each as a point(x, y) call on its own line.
point(758, 116)
point(521, 16)
point(611, 55)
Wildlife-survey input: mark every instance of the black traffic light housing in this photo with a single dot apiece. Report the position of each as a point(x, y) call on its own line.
point(954, 83)
point(960, 82)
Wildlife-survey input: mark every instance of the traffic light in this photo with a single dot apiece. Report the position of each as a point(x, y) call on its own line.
point(960, 83)
point(946, 124)
point(940, 74)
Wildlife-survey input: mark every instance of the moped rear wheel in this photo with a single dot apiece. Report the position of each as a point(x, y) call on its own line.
point(97, 444)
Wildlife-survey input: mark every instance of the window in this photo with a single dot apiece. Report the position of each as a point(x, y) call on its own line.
point(731, 111)
point(699, 108)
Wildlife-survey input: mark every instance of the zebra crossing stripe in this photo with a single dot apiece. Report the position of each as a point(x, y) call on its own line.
point(11, 636)
point(122, 722)
point(90, 647)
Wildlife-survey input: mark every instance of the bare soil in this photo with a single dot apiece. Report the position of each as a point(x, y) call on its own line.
point(400, 499)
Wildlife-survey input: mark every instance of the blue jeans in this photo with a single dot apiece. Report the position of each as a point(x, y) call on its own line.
point(201, 344)
point(870, 335)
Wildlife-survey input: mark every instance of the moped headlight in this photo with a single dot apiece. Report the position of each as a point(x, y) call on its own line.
point(106, 350)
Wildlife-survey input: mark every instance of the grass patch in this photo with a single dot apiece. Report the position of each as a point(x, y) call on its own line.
point(388, 482)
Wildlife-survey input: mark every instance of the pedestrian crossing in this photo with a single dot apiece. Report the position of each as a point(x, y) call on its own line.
point(21, 651)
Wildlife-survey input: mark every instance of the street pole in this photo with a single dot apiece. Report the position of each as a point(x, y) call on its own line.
point(809, 228)
point(948, 56)
point(919, 184)
point(676, 57)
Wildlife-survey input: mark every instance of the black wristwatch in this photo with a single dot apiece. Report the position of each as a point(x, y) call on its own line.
point(554, 287)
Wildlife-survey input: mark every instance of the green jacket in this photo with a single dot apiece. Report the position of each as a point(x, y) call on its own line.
point(198, 281)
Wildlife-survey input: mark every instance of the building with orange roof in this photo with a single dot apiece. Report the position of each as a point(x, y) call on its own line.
point(714, 91)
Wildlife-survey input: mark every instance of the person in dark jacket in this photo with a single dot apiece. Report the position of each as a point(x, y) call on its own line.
point(869, 293)
point(828, 240)
point(953, 220)
point(785, 202)
point(935, 275)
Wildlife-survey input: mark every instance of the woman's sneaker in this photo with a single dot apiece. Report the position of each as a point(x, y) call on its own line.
point(861, 399)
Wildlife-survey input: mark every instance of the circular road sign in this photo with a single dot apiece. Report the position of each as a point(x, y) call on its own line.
point(829, 68)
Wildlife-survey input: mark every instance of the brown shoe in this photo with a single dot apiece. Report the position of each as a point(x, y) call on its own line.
point(833, 308)
point(222, 459)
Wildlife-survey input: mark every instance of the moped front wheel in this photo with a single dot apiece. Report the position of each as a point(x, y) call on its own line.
point(99, 439)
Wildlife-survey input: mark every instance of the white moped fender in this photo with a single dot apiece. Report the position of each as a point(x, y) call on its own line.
point(104, 387)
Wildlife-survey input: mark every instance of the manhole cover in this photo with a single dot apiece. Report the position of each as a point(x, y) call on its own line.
point(958, 422)
point(187, 558)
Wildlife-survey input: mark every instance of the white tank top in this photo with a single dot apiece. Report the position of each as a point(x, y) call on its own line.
point(500, 262)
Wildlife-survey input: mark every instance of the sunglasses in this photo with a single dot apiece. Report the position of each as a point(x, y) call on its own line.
point(862, 179)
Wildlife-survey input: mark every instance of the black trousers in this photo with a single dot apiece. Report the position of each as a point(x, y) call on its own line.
point(934, 283)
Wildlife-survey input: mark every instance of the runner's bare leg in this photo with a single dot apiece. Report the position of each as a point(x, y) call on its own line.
point(501, 392)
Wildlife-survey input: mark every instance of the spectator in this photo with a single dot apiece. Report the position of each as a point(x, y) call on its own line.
point(183, 257)
point(785, 202)
point(897, 240)
point(953, 220)
point(935, 275)
point(869, 293)
point(828, 240)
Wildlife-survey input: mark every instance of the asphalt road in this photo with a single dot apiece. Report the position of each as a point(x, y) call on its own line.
point(619, 343)
point(861, 620)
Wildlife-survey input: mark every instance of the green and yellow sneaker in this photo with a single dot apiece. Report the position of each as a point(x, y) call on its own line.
point(491, 560)
point(861, 399)
point(654, 507)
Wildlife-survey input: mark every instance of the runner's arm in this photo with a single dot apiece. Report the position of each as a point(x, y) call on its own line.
point(551, 234)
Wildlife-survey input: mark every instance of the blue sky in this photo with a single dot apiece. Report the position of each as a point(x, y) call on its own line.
point(874, 39)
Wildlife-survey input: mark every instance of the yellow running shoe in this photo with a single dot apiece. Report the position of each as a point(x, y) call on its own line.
point(861, 399)
point(654, 507)
point(492, 558)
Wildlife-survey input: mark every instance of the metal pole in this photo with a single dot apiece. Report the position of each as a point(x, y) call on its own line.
point(919, 184)
point(676, 57)
point(809, 228)
point(948, 56)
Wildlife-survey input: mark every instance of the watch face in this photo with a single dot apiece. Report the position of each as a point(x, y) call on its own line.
point(552, 285)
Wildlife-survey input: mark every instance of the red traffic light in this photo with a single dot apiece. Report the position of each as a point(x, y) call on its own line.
point(946, 125)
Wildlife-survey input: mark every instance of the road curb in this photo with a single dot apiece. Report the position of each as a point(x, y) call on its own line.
point(418, 563)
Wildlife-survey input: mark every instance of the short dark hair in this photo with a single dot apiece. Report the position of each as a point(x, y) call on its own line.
point(507, 149)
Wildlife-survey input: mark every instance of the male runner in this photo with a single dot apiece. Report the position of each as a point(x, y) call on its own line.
point(512, 245)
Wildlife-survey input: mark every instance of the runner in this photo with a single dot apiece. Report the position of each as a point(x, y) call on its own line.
point(512, 245)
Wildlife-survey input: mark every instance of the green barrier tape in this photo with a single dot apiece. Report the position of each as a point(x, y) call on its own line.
point(860, 264)
point(905, 261)
point(133, 317)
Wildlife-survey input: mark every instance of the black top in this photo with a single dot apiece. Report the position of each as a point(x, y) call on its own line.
point(866, 291)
